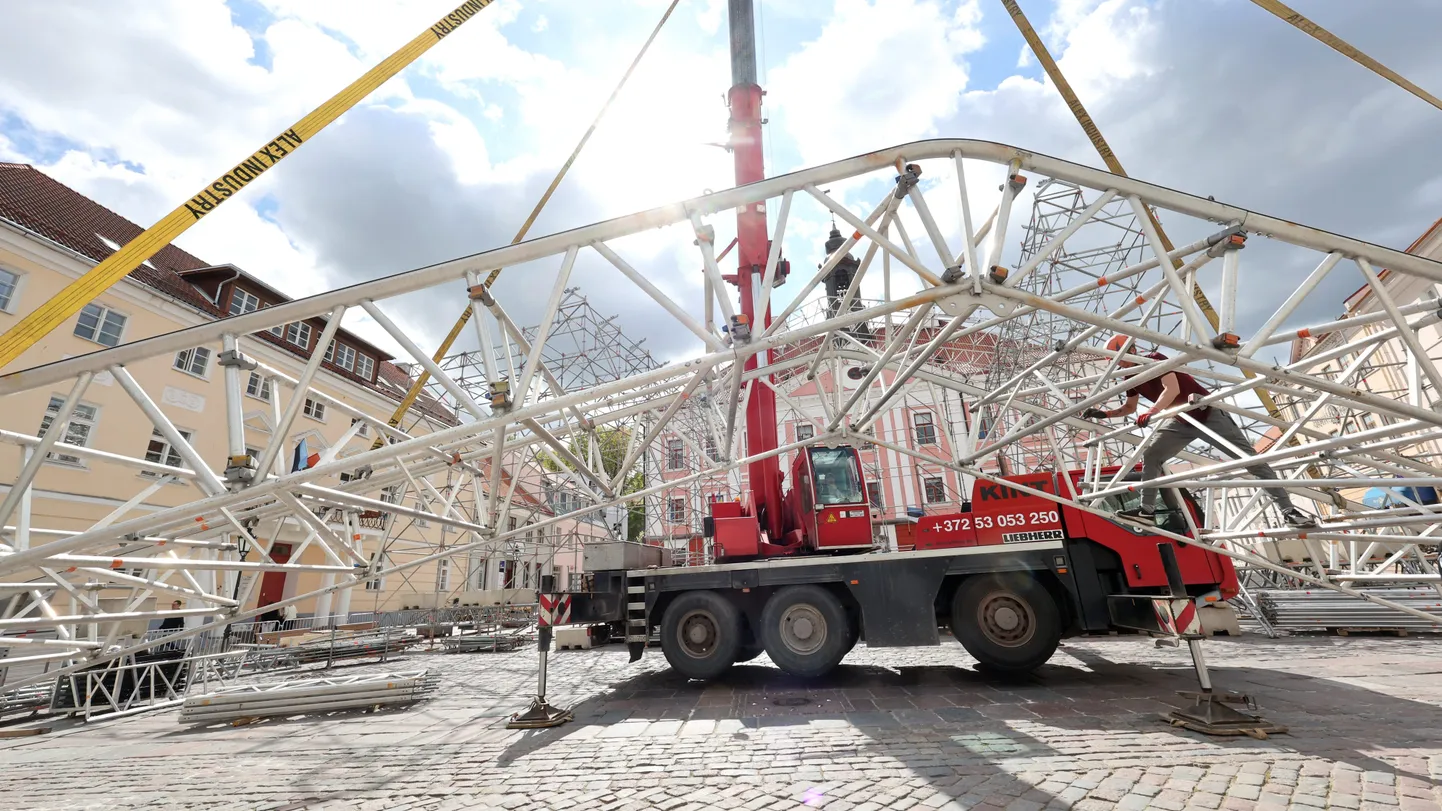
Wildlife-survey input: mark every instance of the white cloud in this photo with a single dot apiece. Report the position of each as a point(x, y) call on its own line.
point(838, 95)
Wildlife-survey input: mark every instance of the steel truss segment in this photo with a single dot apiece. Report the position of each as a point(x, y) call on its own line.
point(1024, 349)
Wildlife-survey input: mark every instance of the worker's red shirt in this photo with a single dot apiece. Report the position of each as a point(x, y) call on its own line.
point(1152, 389)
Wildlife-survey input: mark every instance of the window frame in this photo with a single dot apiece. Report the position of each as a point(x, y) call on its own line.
point(809, 427)
point(244, 296)
point(90, 424)
point(875, 496)
point(189, 356)
point(314, 409)
point(675, 454)
point(370, 363)
point(105, 313)
point(266, 392)
point(917, 426)
point(671, 511)
point(7, 303)
point(378, 583)
point(926, 481)
point(167, 450)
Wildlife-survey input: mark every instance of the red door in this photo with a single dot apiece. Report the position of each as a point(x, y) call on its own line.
point(272, 584)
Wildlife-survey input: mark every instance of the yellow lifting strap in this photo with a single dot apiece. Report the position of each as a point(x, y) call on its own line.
point(1115, 167)
point(1317, 32)
point(100, 278)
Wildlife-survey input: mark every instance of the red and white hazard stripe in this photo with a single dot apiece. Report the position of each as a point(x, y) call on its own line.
point(554, 609)
point(1177, 617)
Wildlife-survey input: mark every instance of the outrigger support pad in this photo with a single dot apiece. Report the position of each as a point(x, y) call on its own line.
point(1211, 712)
point(540, 715)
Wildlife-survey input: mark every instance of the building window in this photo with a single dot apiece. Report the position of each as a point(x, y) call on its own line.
point(242, 302)
point(8, 282)
point(314, 409)
point(379, 583)
point(340, 355)
point(422, 523)
point(476, 581)
point(526, 575)
point(392, 494)
point(161, 452)
point(804, 431)
point(935, 489)
point(193, 361)
point(258, 387)
point(365, 428)
point(873, 491)
point(100, 324)
point(443, 574)
point(77, 430)
point(296, 332)
point(675, 454)
point(711, 449)
point(925, 428)
point(676, 510)
point(365, 366)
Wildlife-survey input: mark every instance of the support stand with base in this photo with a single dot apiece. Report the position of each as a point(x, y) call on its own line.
point(1211, 713)
point(540, 714)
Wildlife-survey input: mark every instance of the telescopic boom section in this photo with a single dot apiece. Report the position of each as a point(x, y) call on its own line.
point(752, 248)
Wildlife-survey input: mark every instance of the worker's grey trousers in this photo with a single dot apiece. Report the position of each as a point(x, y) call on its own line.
point(1178, 433)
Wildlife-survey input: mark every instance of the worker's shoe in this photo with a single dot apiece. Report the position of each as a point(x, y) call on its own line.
point(1298, 519)
point(1139, 515)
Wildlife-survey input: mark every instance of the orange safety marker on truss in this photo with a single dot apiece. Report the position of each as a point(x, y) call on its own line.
point(103, 276)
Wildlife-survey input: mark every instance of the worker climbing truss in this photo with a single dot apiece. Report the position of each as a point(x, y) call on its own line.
point(909, 210)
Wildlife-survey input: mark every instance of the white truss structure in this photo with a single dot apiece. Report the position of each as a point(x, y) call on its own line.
point(940, 288)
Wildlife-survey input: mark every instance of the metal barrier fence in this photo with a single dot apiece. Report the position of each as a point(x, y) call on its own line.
point(165, 673)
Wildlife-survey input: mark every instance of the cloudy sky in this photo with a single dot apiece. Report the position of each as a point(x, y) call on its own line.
point(137, 103)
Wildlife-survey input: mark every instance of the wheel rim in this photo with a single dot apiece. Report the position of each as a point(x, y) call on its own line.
point(1006, 619)
point(698, 633)
point(803, 629)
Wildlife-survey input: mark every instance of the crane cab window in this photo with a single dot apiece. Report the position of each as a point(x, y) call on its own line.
point(837, 479)
point(1169, 511)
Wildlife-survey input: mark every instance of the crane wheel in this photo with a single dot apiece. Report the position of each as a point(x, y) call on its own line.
point(805, 630)
point(1008, 623)
point(701, 634)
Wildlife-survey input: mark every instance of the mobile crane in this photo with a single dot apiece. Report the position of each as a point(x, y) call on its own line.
point(796, 575)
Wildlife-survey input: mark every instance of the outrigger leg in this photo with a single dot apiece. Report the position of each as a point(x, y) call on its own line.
point(540, 714)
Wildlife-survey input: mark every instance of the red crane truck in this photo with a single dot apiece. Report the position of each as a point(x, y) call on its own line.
point(1010, 577)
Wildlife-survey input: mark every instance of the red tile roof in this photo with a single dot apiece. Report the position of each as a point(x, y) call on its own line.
point(35, 201)
point(32, 199)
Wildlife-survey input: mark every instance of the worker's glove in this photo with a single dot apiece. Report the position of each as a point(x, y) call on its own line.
point(1094, 413)
point(1144, 418)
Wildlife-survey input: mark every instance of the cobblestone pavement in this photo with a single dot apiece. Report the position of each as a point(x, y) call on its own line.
point(914, 729)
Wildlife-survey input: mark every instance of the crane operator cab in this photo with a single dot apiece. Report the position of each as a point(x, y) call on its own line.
point(827, 507)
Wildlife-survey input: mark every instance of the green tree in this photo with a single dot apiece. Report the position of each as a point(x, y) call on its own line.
point(612, 443)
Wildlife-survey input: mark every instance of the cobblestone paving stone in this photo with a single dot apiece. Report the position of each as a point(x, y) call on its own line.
point(912, 729)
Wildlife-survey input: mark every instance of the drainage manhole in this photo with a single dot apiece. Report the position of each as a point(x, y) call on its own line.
point(791, 701)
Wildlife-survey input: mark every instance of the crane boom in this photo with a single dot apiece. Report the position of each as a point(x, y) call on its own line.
point(69, 301)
